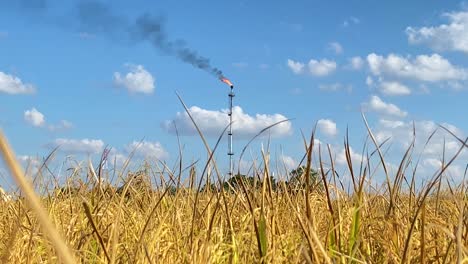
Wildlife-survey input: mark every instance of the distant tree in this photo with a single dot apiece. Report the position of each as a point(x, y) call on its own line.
point(236, 182)
point(297, 180)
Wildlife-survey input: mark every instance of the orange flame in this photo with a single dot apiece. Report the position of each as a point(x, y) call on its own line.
point(226, 81)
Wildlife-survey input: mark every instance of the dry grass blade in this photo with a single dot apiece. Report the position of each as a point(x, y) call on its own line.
point(257, 135)
point(425, 194)
point(34, 202)
point(211, 159)
point(96, 231)
point(384, 166)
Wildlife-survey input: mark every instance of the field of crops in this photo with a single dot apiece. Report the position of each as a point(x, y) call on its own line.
point(162, 215)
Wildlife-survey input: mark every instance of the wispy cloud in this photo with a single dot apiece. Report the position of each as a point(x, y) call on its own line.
point(13, 85)
point(394, 89)
point(355, 63)
point(336, 87)
point(351, 21)
point(318, 68)
point(37, 119)
point(335, 47)
point(375, 104)
point(78, 146)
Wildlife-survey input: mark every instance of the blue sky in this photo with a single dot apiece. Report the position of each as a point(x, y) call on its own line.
point(80, 78)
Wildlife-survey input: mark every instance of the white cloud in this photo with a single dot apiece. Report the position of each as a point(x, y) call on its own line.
point(327, 127)
point(452, 36)
point(369, 81)
point(62, 125)
point(287, 161)
point(32, 164)
point(212, 123)
point(376, 104)
point(429, 68)
point(400, 134)
point(37, 119)
point(29, 160)
point(321, 68)
point(433, 165)
point(394, 89)
point(296, 67)
point(82, 146)
point(34, 117)
point(391, 123)
point(13, 85)
point(336, 87)
point(335, 47)
point(356, 63)
point(317, 68)
point(138, 80)
point(356, 158)
point(147, 149)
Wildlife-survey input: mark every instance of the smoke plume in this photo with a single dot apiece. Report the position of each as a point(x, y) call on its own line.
point(97, 17)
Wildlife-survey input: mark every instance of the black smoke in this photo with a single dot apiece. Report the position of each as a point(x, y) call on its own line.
point(97, 17)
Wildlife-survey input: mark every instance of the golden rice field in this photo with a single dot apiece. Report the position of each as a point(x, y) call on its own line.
point(162, 215)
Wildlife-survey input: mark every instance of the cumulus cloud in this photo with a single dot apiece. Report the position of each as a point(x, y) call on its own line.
point(317, 68)
point(137, 80)
point(78, 146)
point(146, 149)
point(321, 68)
point(394, 89)
point(335, 47)
point(13, 85)
point(296, 67)
point(400, 134)
point(355, 63)
point(37, 119)
point(327, 127)
point(34, 117)
point(429, 68)
point(376, 104)
point(212, 123)
point(451, 36)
